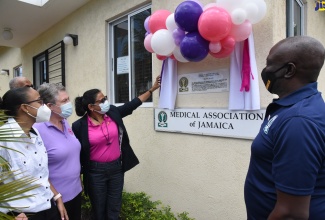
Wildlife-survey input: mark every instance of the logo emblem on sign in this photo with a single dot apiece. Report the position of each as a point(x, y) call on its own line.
point(162, 118)
point(183, 83)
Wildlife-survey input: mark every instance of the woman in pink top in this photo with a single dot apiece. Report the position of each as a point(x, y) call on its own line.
point(105, 149)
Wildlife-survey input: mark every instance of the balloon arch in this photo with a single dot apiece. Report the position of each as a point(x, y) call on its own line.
point(193, 31)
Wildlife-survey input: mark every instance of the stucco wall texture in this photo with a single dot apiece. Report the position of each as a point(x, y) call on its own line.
point(202, 175)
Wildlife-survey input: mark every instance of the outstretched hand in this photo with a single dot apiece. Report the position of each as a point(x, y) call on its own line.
point(156, 85)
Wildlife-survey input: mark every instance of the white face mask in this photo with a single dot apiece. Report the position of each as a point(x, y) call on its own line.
point(43, 113)
point(104, 107)
point(66, 110)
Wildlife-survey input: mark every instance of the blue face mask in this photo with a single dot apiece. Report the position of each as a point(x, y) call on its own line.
point(66, 110)
point(104, 107)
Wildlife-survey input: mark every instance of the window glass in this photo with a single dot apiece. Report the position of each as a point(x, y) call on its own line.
point(121, 63)
point(140, 58)
point(39, 70)
point(132, 63)
point(18, 71)
point(295, 17)
point(48, 66)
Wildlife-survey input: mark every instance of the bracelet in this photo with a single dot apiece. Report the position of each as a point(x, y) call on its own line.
point(57, 197)
point(150, 92)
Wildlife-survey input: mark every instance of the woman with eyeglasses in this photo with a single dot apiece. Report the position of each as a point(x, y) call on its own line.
point(63, 148)
point(29, 156)
point(106, 153)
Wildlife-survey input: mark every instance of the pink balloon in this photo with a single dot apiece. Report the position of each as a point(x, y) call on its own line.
point(228, 45)
point(210, 5)
point(172, 57)
point(214, 24)
point(160, 57)
point(228, 42)
point(215, 47)
point(222, 54)
point(157, 20)
point(147, 43)
point(242, 31)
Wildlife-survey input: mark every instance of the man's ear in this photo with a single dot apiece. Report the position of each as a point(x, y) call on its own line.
point(291, 70)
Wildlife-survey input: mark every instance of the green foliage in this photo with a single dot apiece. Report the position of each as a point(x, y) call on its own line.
point(139, 206)
point(85, 204)
point(11, 189)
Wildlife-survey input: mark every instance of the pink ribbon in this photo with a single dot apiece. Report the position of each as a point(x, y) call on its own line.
point(246, 68)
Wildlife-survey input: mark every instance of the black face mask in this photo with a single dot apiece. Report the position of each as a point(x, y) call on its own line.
point(269, 78)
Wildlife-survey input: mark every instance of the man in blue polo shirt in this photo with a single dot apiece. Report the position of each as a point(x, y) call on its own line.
point(286, 175)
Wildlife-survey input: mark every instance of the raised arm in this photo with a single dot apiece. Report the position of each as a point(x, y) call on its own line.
point(148, 93)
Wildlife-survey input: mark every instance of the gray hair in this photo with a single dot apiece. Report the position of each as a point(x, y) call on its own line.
point(50, 91)
point(16, 82)
point(12, 83)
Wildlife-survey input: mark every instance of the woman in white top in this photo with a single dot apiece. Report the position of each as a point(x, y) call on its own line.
point(25, 107)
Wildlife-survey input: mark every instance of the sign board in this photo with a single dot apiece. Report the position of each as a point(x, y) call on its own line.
point(213, 122)
point(122, 65)
point(204, 82)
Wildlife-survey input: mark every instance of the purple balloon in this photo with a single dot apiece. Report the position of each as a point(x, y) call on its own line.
point(178, 35)
point(194, 47)
point(146, 24)
point(146, 34)
point(197, 1)
point(187, 15)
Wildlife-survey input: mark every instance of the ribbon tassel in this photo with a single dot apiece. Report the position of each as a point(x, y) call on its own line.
point(246, 71)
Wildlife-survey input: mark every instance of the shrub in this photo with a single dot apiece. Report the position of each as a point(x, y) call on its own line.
point(139, 206)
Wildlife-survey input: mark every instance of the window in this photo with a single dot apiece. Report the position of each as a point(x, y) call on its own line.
point(18, 70)
point(131, 63)
point(48, 66)
point(295, 17)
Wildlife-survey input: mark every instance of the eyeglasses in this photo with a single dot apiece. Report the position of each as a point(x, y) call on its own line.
point(40, 101)
point(102, 100)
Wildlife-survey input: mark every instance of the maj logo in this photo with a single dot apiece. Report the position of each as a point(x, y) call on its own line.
point(39, 142)
point(162, 118)
point(268, 125)
point(183, 83)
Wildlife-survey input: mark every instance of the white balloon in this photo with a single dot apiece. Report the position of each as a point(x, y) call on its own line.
point(178, 55)
point(210, 5)
point(162, 42)
point(238, 16)
point(251, 10)
point(261, 5)
point(230, 5)
point(170, 22)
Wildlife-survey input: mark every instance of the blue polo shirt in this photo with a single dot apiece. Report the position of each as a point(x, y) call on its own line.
point(288, 154)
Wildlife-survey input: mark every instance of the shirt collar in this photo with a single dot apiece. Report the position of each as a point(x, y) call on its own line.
point(49, 124)
point(15, 127)
point(298, 95)
point(91, 123)
point(17, 131)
